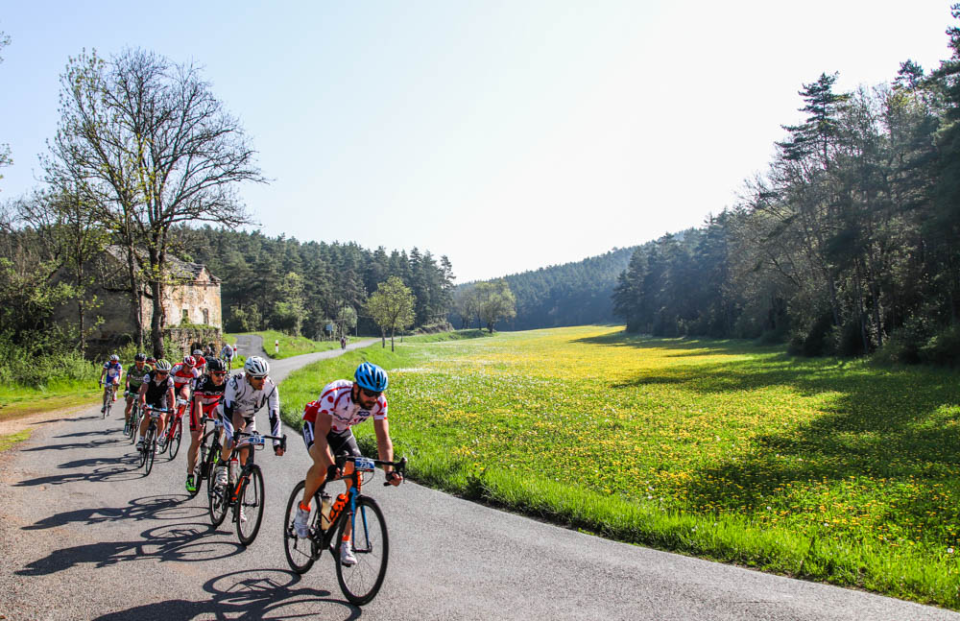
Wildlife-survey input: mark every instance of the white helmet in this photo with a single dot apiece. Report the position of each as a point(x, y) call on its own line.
point(255, 366)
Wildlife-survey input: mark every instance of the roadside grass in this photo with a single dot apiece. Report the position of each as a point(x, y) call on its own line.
point(17, 401)
point(8, 440)
point(821, 469)
point(290, 345)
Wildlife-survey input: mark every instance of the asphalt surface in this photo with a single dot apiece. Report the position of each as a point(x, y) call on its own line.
point(83, 535)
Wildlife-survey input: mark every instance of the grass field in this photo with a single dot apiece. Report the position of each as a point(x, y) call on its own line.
point(823, 469)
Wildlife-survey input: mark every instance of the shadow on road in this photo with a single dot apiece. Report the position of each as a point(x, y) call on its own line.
point(183, 543)
point(147, 508)
point(113, 470)
point(250, 594)
point(73, 445)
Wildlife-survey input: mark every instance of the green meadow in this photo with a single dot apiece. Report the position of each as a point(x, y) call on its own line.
point(823, 469)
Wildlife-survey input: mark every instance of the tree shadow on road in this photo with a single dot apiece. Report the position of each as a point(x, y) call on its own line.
point(249, 594)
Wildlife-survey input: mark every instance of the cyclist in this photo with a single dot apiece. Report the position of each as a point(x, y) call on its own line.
point(156, 391)
point(201, 361)
point(135, 379)
point(206, 398)
point(227, 354)
point(326, 432)
point(112, 371)
point(243, 397)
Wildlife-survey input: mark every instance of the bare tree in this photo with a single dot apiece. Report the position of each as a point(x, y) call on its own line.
point(155, 148)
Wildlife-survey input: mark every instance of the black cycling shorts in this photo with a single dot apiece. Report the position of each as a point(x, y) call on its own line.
point(342, 443)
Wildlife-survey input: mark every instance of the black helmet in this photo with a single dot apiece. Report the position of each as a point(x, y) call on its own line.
point(215, 365)
point(140, 357)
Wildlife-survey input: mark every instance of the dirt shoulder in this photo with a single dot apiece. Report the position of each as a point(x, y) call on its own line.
point(19, 423)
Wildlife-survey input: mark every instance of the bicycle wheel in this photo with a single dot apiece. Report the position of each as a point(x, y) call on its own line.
point(107, 400)
point(361, 582)
point(174, 443)
point(150, 448)
point(301, 553)
point(143, 453)
point(216, 500)
point(134, 422)
point(250, 504)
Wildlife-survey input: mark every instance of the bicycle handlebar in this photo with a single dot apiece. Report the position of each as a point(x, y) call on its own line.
point(399, 467)
point(283, 439)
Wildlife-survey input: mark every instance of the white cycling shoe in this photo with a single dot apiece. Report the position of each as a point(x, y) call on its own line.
point(347, 559)
point(301, 523)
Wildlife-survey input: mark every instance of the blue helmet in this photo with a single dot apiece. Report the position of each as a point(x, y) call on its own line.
point(371, 377)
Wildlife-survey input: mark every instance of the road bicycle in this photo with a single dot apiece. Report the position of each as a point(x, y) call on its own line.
point(108, 390)
point(247, 495)
point(370, 544)
point(149, 451)
point(210, 449)
point(135, 414)
point(174, 434)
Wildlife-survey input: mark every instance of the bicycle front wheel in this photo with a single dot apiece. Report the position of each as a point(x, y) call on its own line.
point(301, 553)
point(249, 509)
point(216, 499)
point(174, 443)
point(150, 449)
point(361, 582)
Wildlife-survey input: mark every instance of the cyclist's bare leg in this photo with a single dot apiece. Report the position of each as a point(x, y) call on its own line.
point(126, 412)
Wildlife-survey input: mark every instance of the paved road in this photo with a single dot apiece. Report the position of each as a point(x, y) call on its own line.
point(84, 536)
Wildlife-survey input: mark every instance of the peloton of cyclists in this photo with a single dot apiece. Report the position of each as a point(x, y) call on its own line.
point(112, 372)
point(326, 433)
point(245, 394)
point(135, 378)
point(206, 400)
point(156, 391)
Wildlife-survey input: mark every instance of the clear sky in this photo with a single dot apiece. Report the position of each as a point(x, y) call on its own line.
point(507, 135)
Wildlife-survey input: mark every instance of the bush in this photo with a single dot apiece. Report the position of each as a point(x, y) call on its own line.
point(942, 348)
point(903, 345)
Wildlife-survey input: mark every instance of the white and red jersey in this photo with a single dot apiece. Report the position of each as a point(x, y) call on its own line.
point(336, 400)
point(184, 375)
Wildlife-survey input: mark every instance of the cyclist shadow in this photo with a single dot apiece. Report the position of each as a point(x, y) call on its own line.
point(147, 508)
point(104, 474)
point(182, 543)
point(69, 446)
point(247, 594)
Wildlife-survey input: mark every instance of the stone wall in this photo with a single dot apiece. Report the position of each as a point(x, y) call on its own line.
point(197, 302)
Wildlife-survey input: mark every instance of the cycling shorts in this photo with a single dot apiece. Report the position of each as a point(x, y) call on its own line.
point(209, 411)
point(342, 443)
point(250, 424)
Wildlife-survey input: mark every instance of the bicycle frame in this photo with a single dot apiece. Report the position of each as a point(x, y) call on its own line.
point(361, 465)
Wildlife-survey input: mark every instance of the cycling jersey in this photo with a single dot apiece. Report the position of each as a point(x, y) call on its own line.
point(200, 362)
point(157, 392)
point(210, 396)
point(183, 375)
point(112, 370)
point(227, 352)
point(241, 398)
point(336, 400)
point(136, 378)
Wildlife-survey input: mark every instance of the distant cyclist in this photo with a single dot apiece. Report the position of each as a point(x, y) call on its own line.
point(135, 377)
point(112, 372)
point(206, 400)
point(227, 354)
point(201, 362)
point(245, 394)
point(326, 432)
point(156, 391)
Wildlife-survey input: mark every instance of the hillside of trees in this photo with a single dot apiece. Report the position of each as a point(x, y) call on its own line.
point(301, 287)
point(571, 294)
point(849, 243)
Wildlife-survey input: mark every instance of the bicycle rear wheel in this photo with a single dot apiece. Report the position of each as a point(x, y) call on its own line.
point(216, 499)
point(250, 504)
point(361, 582)
point(150, 448)
point(301, 553)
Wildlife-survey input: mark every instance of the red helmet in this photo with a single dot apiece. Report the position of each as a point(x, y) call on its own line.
point(190, 361)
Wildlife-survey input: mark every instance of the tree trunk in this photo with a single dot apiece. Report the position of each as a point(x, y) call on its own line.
point(383, 338)
point(392, 332)
point(136, 296)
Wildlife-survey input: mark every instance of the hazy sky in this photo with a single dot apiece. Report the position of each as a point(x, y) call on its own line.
point(505, 135)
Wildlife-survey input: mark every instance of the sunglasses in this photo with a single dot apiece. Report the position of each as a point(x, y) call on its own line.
point(162, 373)
point(371, 394)
point(259, 378)
point(218, 373)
